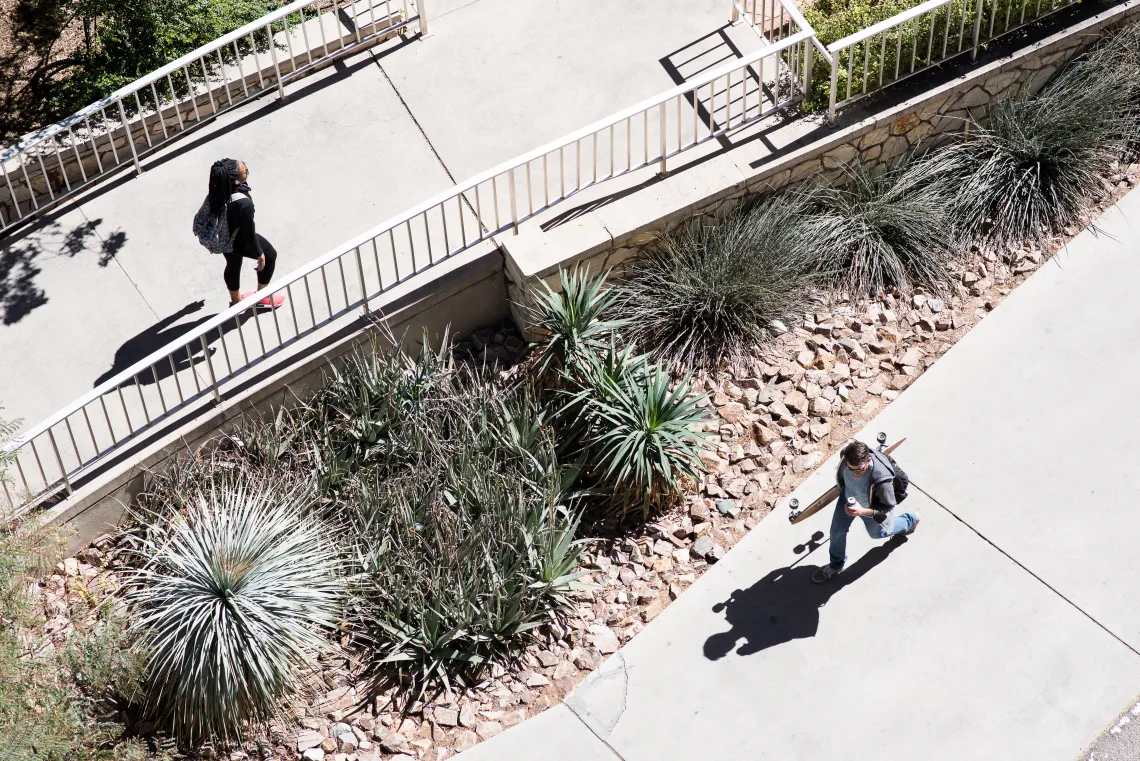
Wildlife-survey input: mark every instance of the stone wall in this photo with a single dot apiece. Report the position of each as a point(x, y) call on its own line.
point(535, 255)
point(108, 149)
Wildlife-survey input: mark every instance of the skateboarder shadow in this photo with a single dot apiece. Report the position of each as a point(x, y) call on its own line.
point(784, 605)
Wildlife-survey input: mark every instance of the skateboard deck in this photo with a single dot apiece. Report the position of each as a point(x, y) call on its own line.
point(831, 494)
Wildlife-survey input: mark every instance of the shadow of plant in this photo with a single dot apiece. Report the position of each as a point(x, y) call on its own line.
point(20, 262)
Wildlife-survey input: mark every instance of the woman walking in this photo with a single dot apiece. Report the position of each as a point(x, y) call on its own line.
point(229, 193)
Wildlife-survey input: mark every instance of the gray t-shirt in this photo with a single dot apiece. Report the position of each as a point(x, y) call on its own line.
point(859, 488)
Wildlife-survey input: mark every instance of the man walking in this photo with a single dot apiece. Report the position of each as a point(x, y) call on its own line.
point(868, 478)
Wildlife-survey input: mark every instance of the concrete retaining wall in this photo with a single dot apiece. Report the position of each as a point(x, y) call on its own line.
point(631, 225)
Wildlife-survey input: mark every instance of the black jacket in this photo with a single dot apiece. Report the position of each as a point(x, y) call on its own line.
point(882, 487)
point(239, 214)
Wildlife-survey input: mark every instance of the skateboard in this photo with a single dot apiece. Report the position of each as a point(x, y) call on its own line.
point(832, 494)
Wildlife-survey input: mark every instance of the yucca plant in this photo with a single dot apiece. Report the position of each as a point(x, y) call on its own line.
point(887, 228)
point(575, 318)
point(707, 292)
point(643, 439)
point(1035, 166)
point(229, 605)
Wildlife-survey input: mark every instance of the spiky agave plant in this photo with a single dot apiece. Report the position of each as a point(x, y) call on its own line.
point(1035, 166)
point(229, 606)
point(643, 438)
point(887, 228)
point(575, 318)
point(707, 292)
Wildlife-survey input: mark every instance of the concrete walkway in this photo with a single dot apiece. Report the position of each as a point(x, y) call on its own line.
point(109, 279)
point(1003, 629)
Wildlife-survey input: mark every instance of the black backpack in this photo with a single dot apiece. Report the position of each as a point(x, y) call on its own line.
point(901, 481)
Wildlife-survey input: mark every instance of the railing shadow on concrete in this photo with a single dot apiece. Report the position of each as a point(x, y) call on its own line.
point(63, 159)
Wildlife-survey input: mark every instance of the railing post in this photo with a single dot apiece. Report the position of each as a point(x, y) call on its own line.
point(130, 137)
point(363, 287)
point(276, 66)
point(59, 460)
point(809, 60)
point(834, 85)
point(977, 29)
point(210, 361)
point(422, 13)
point(661, 120)
point(735, 13)
point(514, 205)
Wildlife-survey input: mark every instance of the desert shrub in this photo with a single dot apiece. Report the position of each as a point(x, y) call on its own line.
point(465, 551)
point(1035, 166)
point(631, 438)
point(641, 434)
point(54, 706)
point(577, 319)
point(229, 603)
point(887, 228)
point(706, 292)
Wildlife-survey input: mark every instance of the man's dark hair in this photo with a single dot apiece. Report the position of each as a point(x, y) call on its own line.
point(856, 453)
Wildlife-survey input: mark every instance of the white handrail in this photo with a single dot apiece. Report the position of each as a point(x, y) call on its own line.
point(887, 24)
point(52, 164)
point(464, 196)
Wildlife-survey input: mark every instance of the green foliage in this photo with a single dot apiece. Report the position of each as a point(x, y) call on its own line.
point(1036, 165)
point(122, 40)
point(229, 604)
point(887, 228)
point(641, 437)
point(633, 438)
point(930, 38)
point(574, 318)
point(707, 291)
point(51, 703)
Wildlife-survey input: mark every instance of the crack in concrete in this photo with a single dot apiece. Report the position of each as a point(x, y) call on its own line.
point(1022, 566)
point(599, 728)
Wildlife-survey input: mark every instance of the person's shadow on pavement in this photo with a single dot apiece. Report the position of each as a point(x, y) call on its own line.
point(164, 332)
point(784, 605)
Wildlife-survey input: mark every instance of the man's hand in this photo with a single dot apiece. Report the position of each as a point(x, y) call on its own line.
point(260, 263)
point(859, 512)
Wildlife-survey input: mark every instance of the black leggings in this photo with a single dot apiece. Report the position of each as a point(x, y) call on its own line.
point(232, 274)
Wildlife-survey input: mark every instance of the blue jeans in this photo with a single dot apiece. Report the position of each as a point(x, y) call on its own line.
point(895, 523)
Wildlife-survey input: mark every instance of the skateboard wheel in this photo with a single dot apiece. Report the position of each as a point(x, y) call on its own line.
point(881, 438)
point(793, 503)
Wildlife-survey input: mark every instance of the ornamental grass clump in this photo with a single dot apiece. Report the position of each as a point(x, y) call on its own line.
point(460, 557)
point(887, 228)
point(230, 602)
point(707, 292)
point(1036, 165)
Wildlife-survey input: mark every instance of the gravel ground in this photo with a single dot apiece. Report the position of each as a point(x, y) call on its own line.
point(1120, 741)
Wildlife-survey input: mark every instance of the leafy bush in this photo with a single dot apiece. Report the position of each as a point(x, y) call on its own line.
point(1036, 165)
point(887, 228)
point(121, 41)
point(466, 537)
point(229, 605)
point(706, 293)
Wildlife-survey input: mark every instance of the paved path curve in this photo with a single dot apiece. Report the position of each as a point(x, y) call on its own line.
point(1003, 629)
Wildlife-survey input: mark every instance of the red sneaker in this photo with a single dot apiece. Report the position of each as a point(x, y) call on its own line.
point(272, 302)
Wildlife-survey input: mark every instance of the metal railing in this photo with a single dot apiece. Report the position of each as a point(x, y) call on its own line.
point(71, 443)
point(118, 131)
point(921, 37)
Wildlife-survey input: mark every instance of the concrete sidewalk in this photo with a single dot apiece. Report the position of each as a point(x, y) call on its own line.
point(107, 280)
point(1001, 630)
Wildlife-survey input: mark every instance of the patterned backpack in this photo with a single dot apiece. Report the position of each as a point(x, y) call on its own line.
point(213, 233)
